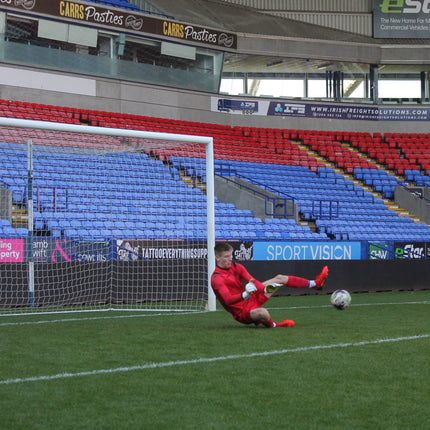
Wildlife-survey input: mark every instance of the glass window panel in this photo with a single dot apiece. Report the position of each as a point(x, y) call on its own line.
point(391, 88)
point(280, 87)
point(317, 88)
point(232, 86)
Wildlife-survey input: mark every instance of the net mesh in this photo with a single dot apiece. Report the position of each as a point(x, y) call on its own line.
point(118, 223)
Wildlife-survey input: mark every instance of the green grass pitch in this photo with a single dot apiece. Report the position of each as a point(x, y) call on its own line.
point(366, 367)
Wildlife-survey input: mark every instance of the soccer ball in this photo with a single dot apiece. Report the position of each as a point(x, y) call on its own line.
point(340, 299)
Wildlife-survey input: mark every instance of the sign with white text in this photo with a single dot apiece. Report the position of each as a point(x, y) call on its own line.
point(401, 19)
point(307, 251)
point(130, 21)
point(321, 110)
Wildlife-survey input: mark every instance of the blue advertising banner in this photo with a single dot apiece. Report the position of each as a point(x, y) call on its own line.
point(243, 106)
point(55, 250)
point(363, 113)
point(287, 109)
point(321, 110)
point(307, 251)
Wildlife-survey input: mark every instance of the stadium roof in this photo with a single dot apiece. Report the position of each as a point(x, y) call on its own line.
point(264, 39)
point(218, 14)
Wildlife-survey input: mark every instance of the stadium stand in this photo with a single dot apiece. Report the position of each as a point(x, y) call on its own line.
point(303, 100)
point(338, 180)
point(121, 4)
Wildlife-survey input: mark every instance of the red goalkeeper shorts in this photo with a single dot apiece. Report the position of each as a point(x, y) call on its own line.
point(256, 300)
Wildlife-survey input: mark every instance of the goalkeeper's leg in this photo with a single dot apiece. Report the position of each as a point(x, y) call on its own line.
point(272, 285)
point(262, 316)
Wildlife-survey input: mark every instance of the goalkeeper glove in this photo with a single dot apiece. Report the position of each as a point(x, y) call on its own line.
point(249, 289)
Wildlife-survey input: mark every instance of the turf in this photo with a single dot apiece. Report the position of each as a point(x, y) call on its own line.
point(366, 367)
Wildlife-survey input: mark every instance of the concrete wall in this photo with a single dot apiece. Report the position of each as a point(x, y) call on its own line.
point(5, 204)
point(241, 193)
point(354, 276)
point(414, 201)
point(161, 102)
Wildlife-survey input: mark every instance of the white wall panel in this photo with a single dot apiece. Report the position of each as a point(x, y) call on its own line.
point(176, 50)
point(53, 30)
point(67, 33)
point(309, 5)
point(353, 23)
point(82, 35)
point(47, 81)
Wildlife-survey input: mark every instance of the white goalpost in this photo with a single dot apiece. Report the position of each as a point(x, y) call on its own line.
point(95, 218)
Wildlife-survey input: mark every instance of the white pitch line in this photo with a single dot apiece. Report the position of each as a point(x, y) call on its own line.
point(206, 360)
point(426, 302)
point(143, 315)
point(110, 317)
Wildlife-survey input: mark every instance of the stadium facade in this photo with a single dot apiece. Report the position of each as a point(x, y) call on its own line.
point(170, 62)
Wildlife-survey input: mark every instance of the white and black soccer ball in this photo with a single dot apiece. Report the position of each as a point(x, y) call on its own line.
point(340, 299)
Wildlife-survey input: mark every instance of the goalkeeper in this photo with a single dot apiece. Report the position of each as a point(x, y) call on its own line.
point(244, 303)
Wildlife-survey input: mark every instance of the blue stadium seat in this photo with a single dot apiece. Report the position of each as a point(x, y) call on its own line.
point(356, 213)
point(22, 232)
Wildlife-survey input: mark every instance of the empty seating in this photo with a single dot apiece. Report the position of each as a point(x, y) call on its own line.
point(274, 158)
point(121, 4)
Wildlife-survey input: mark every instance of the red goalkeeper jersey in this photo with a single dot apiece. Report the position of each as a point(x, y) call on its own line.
point(227, 285)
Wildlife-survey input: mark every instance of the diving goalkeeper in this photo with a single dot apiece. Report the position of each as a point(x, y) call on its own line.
point(244, 302)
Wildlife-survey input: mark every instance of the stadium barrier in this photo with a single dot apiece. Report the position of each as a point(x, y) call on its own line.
point(357, 276)
point(112, 272)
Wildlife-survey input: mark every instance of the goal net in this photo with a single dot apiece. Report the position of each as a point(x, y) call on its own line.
point(96, 218)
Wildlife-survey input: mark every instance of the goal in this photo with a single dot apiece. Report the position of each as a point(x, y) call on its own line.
point(97, 218)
